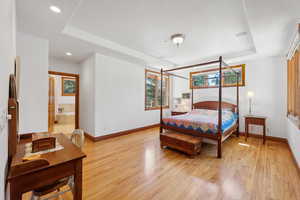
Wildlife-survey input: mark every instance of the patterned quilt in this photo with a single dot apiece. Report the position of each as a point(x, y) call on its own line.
point(202, 120)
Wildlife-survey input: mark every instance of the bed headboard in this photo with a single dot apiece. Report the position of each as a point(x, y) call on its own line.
point(214, 105)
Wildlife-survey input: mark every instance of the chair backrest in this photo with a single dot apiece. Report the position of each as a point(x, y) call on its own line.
point(77, 137)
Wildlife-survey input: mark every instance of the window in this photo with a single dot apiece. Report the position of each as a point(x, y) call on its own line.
point(293, 97)
point(152, 90)
point(210, 78)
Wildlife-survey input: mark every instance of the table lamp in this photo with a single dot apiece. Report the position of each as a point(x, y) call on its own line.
point(250, 95)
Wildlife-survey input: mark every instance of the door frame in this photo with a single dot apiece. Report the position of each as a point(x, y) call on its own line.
point(51, 93)
point(77, 78)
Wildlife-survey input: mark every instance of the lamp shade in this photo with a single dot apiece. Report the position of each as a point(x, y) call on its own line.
point(250, 94)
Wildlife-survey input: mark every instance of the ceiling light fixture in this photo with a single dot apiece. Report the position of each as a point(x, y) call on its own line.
point(69, 54)
point(178, 39)
point(55, 9)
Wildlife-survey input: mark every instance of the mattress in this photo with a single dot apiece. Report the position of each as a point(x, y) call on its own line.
point(202, 120)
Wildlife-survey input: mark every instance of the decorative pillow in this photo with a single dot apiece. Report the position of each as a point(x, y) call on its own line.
point(225, 112)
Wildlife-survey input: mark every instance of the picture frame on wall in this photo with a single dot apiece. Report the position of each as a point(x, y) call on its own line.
point(68, 86)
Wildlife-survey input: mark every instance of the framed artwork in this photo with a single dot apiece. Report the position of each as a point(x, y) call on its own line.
point(210, 78)
point(68, 86)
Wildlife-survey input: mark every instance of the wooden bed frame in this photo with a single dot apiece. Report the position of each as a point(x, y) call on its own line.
point(212, 105)
point(219, 138)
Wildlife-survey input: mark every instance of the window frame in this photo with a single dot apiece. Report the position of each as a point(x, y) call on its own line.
point(242, 84)
point(293, 89)
point(168, 90)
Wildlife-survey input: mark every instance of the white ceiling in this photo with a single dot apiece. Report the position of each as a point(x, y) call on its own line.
point(139, 30)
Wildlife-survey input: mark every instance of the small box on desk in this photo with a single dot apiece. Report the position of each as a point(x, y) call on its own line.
point(42, 142)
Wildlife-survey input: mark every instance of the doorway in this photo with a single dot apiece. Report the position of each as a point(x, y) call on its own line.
point(63, 104)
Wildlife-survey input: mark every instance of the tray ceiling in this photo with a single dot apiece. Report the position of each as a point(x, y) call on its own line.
point(139, 30)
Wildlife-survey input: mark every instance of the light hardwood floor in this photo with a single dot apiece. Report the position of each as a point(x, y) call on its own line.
point(134, 167)
point(63, 128)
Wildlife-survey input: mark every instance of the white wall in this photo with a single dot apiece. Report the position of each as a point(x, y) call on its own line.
point(33, 52)
point(118, 104)
point(60, 65)
point(120, 96)
point(7, 56)
point(266, 78)
point(293, 136)
point(180, 86)
point(87, 96)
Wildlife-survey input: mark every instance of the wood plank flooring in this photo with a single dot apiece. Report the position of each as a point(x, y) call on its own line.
point(134, 167)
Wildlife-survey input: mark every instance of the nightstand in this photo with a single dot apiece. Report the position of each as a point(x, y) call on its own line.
point(177, 113)
point(255, 120)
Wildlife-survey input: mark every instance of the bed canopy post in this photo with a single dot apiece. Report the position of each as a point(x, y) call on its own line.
point(161, 100)
point(192, 98)
point(237, 103)
point(220, 110)
point(219, 135)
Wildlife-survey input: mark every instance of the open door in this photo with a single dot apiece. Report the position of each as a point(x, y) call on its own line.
point(77, 78)
point(51, 104)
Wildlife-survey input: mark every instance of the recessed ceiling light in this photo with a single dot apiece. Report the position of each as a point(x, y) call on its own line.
point(55, 9)
point(68, 53)
point(177, 39)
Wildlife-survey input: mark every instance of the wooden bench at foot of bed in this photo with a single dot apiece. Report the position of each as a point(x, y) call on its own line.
point(182, 142)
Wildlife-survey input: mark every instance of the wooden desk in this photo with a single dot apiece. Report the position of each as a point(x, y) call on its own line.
point(62, 163)
point(255, 120)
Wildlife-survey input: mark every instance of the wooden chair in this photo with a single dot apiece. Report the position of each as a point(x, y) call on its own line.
point(77, 137)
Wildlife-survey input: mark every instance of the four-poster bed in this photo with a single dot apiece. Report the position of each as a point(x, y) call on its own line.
point(221, 120)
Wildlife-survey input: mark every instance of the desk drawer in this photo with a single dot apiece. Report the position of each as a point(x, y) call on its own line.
point(255, 121)
point(44, 177)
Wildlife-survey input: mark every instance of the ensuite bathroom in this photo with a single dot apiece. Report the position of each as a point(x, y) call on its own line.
point(61, 104)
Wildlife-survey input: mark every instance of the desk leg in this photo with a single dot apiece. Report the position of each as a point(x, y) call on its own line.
point(78, 181)
point(246, 130)
point(14, 193)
